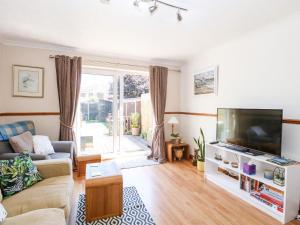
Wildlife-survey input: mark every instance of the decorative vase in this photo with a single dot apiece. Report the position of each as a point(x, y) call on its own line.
point(179, 153)
point(200, 166)
point(135, 131)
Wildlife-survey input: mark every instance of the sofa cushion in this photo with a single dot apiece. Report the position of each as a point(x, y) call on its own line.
point(13, 129)
point(5, 147)
point(55, 192)
point(17, 174)
point(42, 145)
point(38, 217)
point(60, 155)
point(22, 142)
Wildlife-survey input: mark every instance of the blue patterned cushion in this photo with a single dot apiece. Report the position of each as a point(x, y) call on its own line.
point(13, 129)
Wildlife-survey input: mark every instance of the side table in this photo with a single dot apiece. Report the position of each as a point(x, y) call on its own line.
point(171, 146)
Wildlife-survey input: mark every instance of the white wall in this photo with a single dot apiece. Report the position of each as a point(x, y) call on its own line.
point(258, 70)
point(49, 125)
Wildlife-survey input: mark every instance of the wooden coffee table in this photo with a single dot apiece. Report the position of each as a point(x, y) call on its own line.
point(104, 193)
point(83, 160)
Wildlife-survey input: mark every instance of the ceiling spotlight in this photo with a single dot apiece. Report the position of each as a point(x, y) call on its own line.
point(179, 16)
point(136, 3)
point(153, 8)
point(104, 1)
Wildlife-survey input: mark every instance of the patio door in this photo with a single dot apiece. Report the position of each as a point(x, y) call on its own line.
point(113, 113)
point(96, 113)
point(135, 113)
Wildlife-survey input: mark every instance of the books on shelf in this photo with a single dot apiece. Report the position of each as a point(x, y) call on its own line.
point(263, 193)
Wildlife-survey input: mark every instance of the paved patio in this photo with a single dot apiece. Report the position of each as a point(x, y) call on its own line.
point(128, 143)
point(99, 140)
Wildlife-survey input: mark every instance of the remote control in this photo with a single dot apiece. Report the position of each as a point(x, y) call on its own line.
point(213, 142)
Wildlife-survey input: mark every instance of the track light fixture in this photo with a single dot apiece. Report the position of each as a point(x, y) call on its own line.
point(179, 16)
point(104, 1)
point(156, 2)
point(136, 3)
point(153, 8)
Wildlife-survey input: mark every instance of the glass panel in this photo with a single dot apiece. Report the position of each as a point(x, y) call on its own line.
point(96, 126)
point(115, 113)
point(135, 113)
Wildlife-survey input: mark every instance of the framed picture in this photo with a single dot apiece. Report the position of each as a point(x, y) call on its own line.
point(28, 81)
point(206, 82)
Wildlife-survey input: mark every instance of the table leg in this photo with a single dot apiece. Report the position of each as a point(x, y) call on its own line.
point(170, 153)
point(187, 152)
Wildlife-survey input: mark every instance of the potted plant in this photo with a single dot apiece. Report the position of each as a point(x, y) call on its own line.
point(135, 124)
point(200, 151)
point(175, 138)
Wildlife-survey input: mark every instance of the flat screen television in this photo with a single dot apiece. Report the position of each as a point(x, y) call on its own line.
point(257, 129)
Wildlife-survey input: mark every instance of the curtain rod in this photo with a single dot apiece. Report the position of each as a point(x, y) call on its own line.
point(53, 57)
point(119, 64)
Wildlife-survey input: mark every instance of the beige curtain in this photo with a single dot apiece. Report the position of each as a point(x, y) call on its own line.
point(68, 72)
point(158, 91)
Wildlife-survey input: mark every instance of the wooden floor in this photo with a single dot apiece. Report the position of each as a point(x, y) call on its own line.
point(175, 193)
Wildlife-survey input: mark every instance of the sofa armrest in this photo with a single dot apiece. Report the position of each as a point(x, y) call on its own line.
point(63, 146)
point(54, 167)
point(7, 156)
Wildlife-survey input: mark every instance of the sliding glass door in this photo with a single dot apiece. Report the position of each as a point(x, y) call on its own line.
point(96, 120)
point(136, 113)
point(114, 113)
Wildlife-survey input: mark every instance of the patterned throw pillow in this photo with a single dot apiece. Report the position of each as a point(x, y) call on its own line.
point(3, 214)
point(17, 174)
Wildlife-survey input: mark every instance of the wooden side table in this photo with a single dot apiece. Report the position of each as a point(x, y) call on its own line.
point(104, 193)
point(83, 160)
point(171, 146)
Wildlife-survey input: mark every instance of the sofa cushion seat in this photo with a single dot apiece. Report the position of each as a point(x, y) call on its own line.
point(60, 155)
point(55, 192)
point(38, 217)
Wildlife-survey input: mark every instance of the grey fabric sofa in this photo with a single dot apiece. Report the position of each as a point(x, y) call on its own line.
point(63, 149)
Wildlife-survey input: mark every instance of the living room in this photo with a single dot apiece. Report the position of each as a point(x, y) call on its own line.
point(190, 74)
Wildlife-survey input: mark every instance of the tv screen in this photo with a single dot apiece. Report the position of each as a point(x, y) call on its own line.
point(258, 129)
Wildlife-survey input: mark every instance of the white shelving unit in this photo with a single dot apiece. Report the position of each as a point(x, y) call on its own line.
point(291, 189)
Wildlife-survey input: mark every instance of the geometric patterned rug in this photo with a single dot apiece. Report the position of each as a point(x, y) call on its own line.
point(134, 211)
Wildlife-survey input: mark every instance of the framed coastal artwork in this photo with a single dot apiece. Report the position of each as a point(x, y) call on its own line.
point(206, 81)
point(28, 81)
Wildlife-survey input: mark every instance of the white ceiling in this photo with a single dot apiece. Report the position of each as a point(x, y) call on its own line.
point(120, 29)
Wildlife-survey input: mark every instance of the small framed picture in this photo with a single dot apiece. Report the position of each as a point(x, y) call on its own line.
point(206, 81)
point(28, 81)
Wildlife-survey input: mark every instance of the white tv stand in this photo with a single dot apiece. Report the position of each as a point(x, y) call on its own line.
point(291, 189)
